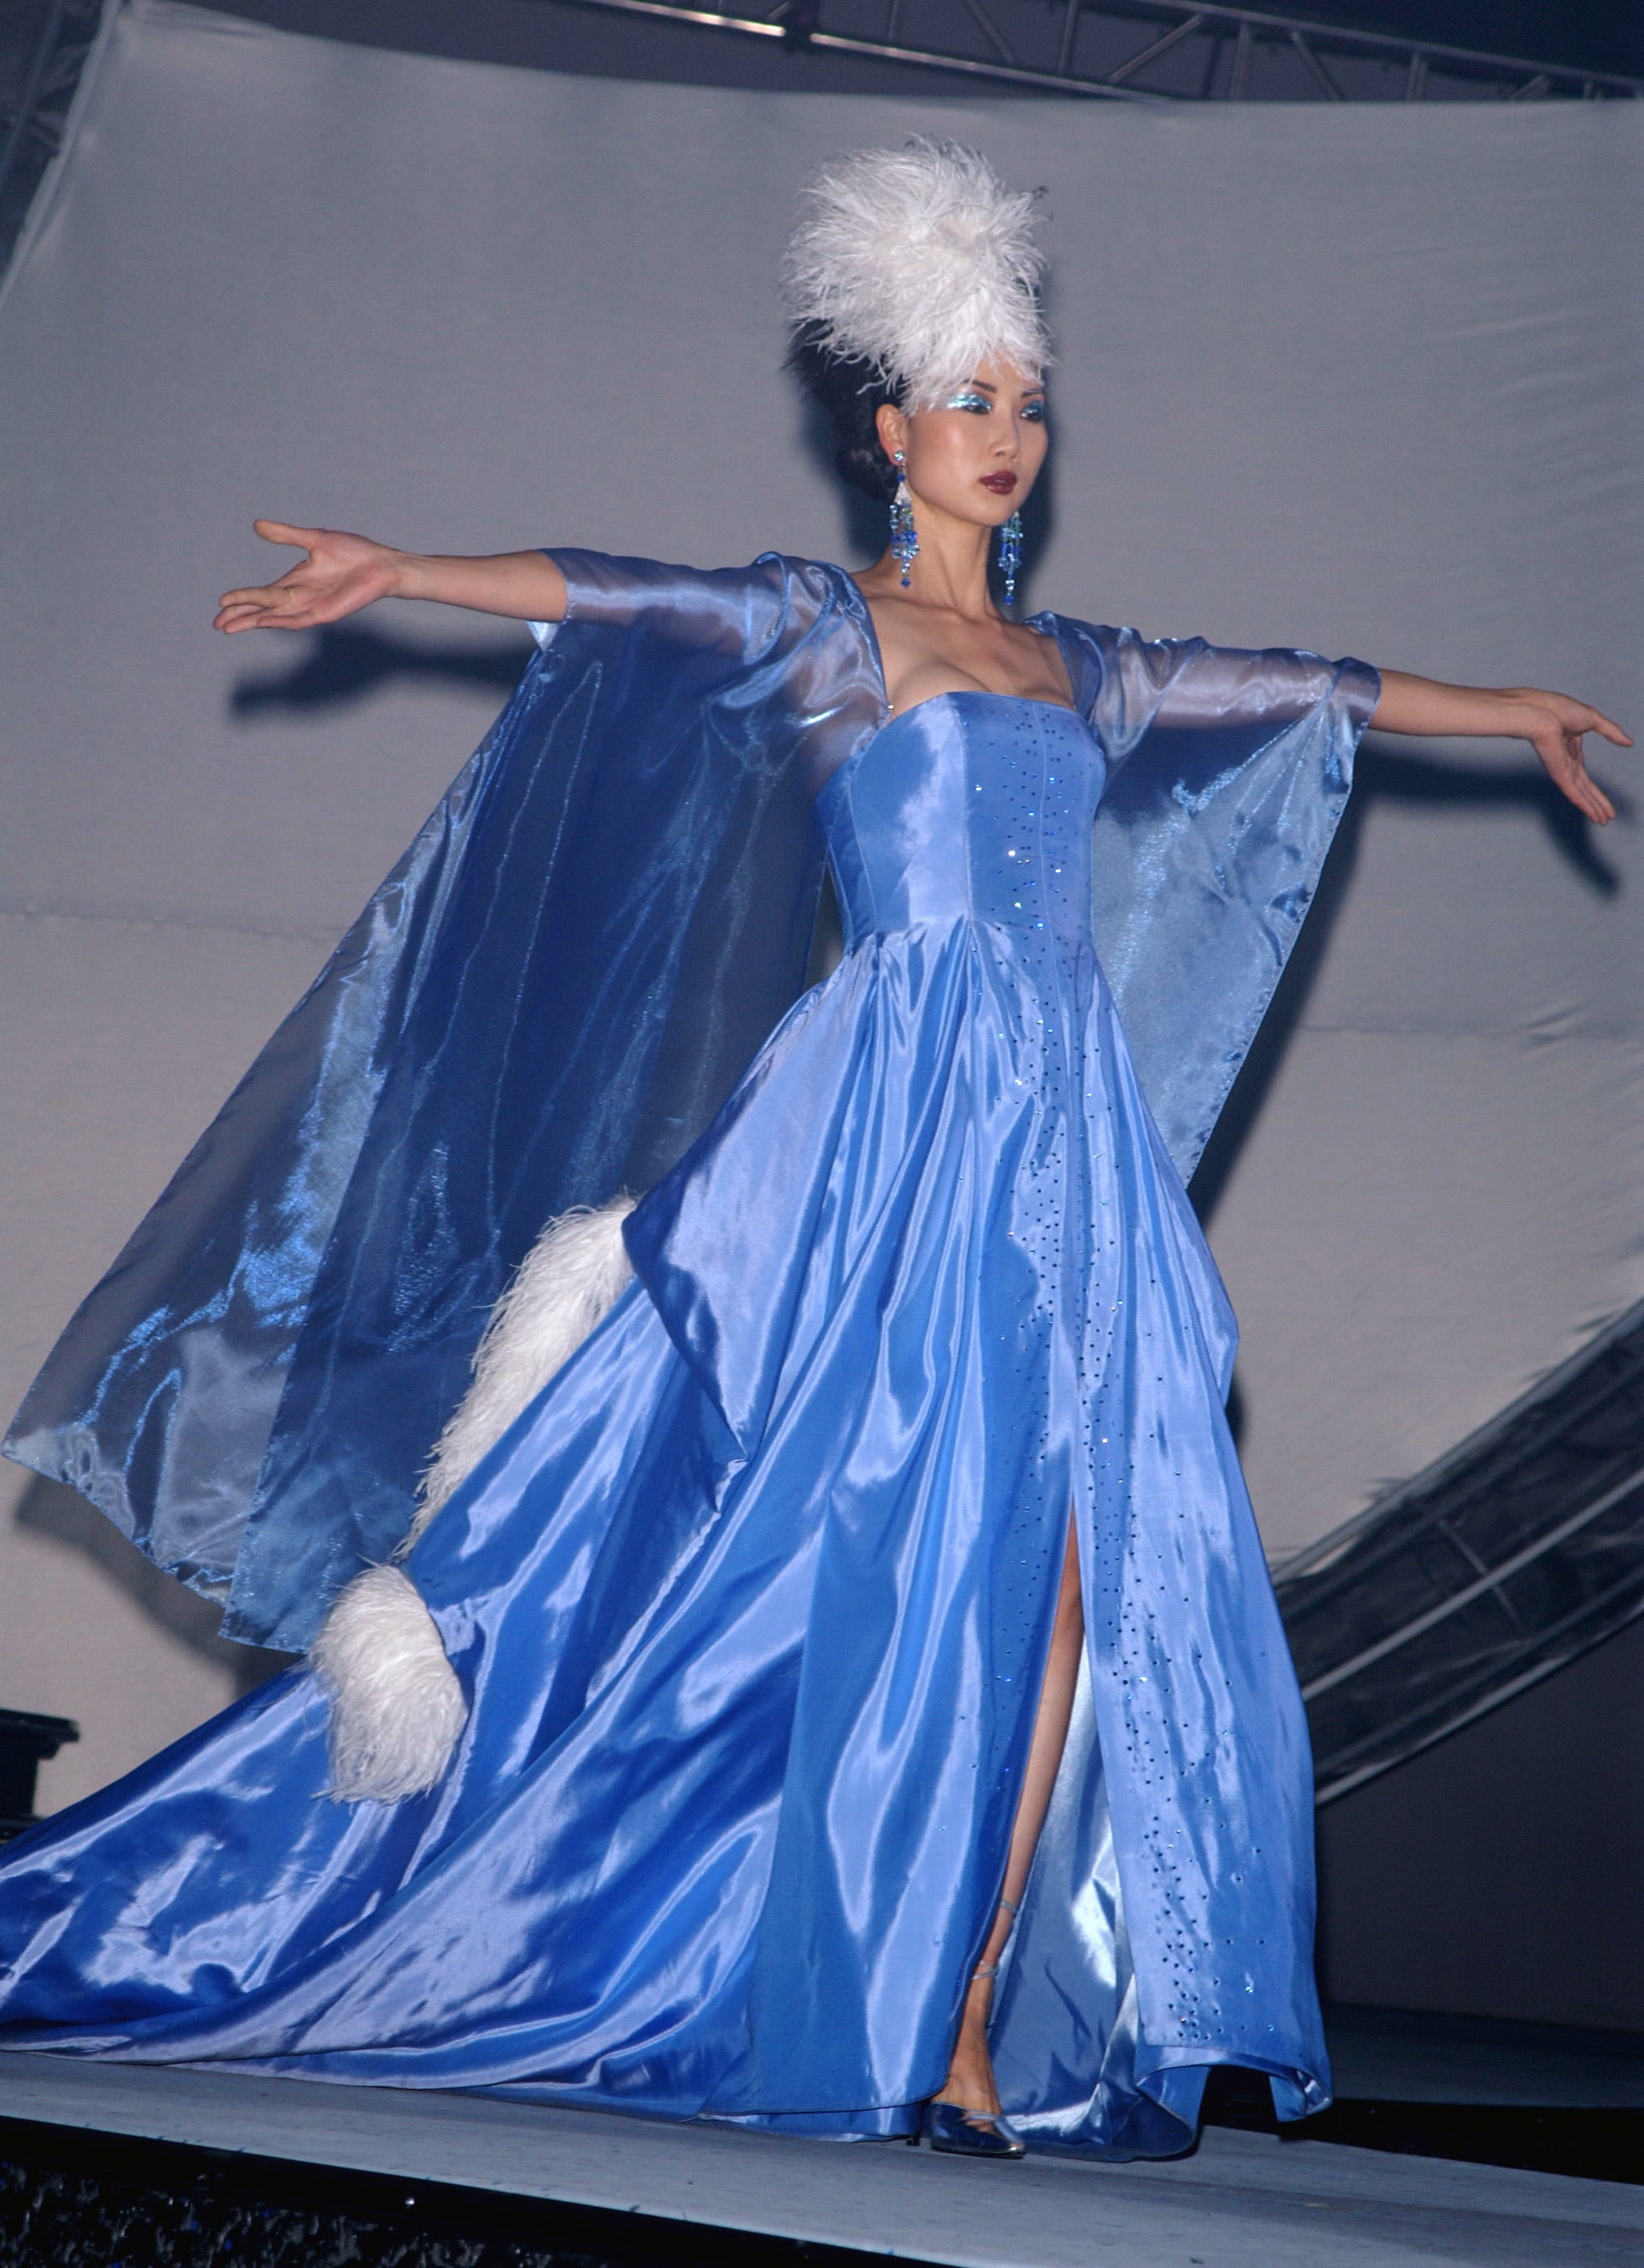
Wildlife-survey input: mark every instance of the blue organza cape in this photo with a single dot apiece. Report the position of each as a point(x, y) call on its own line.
point(549, 997)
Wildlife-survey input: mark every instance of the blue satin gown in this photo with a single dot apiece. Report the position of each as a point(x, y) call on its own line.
point(753, 1603)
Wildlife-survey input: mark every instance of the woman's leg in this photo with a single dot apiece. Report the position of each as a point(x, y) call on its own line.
point(969, 2080)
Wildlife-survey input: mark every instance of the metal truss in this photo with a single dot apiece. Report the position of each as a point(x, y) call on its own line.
point(1516, 1552)
point(43, 47)
point(1144, 50)
point(1109, 50)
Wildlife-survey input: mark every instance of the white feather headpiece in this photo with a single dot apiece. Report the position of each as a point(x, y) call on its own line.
point(922, 263)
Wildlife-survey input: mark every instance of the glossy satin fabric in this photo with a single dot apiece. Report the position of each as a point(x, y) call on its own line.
point(752, 1604)
point(545, 1002)
point(552, 996)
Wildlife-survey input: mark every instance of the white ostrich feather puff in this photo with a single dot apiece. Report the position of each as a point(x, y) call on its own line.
point(573, 1274)
point(397, 1708)
point(921, 262)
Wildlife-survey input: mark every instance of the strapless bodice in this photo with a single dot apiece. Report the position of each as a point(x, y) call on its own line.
point(749, 1606)
point(970, 807)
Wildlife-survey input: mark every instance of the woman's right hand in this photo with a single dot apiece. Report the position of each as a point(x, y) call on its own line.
point(341, 574)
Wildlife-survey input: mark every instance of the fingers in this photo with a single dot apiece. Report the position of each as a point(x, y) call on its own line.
point(266, 605)
point(1559, 746)
point(248, 608)
point(272, 610)
point(1611, 731)
point(1577, 783)
point(1557, 741)
point(265, 618)
point(288, 603)
point(252, 618)
point(280, 531)
point(1578, 717)
point(1572, 716)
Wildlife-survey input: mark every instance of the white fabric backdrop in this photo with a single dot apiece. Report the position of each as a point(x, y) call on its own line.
point(1366, 379)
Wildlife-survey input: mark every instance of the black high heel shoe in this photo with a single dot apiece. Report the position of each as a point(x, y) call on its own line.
point(971, 2133)
point(964, 2133)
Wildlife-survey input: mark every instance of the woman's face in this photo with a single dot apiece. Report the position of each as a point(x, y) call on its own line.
point(978, 453)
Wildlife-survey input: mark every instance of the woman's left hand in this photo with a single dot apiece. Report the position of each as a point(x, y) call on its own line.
point(1552, 722)
point(1553, 725)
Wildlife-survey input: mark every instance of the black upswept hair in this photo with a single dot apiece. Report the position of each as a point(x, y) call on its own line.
point(849, 395)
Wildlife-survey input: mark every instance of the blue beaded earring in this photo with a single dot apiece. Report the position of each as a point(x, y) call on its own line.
point(904, 537)
point(1010, 555)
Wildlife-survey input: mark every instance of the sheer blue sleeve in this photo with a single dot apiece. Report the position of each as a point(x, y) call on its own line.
point(1228, 770)
point(1245, 696)
point(546, 1001)
point(739, 613)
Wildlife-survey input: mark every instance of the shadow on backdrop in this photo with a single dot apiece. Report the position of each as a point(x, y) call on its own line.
point(342, 666)
point(69, 1522)
point(345, 665)
point(337, 667)
point(1386, 774)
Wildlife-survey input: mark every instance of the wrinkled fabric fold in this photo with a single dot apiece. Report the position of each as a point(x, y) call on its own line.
point(546, 1002)
point(751, 1605)
point(552, 995)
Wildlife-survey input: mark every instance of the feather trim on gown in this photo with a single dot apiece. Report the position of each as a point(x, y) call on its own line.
point(740, 1618)
point(397, 1711)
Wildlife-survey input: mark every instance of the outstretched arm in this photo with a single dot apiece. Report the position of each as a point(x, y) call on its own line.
point(343, 573)
point(1551, 722)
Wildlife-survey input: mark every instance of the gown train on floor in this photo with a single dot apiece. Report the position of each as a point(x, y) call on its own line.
point(751, 1605)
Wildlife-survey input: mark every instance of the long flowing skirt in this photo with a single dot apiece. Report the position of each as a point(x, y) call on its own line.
point(752, 1606)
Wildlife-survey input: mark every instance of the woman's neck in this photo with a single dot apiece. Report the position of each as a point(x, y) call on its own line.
point(949, 569)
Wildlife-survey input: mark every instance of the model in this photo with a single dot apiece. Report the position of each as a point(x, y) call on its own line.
point(821, 1672)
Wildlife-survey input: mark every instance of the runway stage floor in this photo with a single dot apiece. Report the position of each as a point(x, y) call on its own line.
point(1245, 2200)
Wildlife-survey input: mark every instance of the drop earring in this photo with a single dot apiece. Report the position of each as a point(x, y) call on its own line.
point(904, 537)
point(1010, 555)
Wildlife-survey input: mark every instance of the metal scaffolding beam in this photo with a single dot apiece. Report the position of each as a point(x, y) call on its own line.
point(1146, 51)
point(1519, 1551)
point(43, 47)
point(1230, 45)
point(882, 50)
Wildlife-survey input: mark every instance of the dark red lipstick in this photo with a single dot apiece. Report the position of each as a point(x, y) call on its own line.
point(1001, 483)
